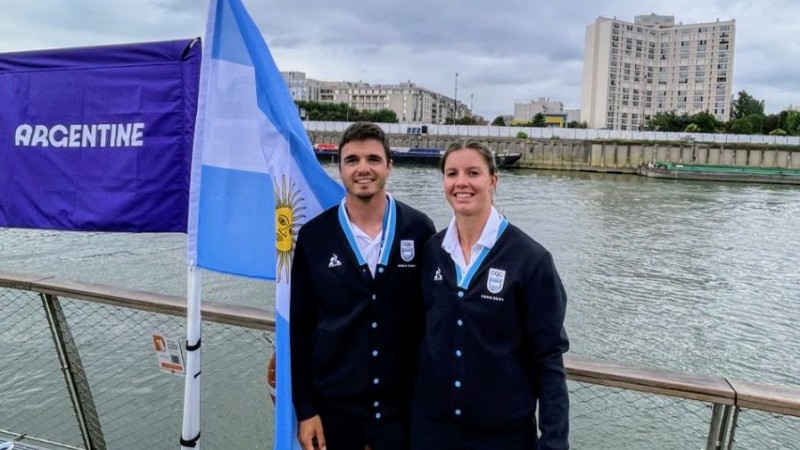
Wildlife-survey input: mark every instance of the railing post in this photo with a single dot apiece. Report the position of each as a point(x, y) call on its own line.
point(723, 431)
point(734, 423)
point(74, 375)
point(713, 442)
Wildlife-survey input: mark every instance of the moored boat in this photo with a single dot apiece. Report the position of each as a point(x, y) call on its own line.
point(710, 172)
point(420, 155)
point(326, 152)
point(414, 155)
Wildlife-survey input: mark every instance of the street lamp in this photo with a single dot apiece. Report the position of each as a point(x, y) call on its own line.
point(455, 101)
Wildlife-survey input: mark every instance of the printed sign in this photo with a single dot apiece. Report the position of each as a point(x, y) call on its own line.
point(169, 355)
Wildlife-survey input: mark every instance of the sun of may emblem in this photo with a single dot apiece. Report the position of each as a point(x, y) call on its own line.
point(288, 206)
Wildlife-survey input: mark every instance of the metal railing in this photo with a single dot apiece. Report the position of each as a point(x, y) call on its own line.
point(488, 131)
point(78, 371)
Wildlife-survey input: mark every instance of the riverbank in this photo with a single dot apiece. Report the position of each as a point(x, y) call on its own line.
point(611, 156)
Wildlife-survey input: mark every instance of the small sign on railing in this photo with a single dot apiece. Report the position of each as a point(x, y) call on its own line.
point(169, 355)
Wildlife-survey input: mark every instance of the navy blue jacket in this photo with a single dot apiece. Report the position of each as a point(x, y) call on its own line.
point(355, 338)
point(493, 349)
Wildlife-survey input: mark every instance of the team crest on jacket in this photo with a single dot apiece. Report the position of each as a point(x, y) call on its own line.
point(495, 281)
point(407, 249)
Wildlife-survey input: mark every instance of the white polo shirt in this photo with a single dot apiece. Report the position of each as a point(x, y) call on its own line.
point(451, 244)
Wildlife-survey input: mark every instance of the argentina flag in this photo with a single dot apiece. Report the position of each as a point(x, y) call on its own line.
point(255, 181)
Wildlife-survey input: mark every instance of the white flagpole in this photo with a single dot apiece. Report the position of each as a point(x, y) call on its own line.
point(190, 430)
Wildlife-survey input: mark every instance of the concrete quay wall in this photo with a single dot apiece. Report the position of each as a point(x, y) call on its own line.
point(608, 156)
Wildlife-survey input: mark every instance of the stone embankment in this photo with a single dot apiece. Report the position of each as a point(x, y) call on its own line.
point(609, 155)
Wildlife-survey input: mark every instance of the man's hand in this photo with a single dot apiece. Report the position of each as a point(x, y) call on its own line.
point(310, 434)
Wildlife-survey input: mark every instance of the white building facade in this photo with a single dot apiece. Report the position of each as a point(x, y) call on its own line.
point(633, 71)
point(411, 103)
point(525, 112)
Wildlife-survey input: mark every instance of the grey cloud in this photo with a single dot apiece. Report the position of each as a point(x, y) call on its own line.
point(505, 50)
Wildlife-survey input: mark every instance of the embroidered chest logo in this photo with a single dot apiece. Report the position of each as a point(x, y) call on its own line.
point(496, 280)
point(334, 262)
point(438, 275)
point(407, 249)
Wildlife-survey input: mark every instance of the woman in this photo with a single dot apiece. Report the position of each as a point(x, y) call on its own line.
point(495, 334)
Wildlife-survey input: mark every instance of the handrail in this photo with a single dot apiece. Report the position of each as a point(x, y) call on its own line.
point(656, 381)
point(717, 390)
point(244, 316)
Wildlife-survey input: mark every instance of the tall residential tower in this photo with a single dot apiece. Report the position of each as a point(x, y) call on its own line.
point(631, 71)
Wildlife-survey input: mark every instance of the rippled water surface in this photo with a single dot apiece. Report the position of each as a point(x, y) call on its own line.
point(699, 276)
point(696, 276)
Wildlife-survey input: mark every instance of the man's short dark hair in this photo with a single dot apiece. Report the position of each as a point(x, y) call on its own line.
point(363, 131)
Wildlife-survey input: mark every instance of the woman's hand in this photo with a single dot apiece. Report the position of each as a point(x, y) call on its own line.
point(310, 434)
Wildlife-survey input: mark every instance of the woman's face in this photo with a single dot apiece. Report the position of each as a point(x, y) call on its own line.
point(468, 186)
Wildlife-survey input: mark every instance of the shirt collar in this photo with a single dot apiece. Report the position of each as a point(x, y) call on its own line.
point(488, 236)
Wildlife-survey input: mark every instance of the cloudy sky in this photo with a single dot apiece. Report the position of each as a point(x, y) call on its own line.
point(504, 51)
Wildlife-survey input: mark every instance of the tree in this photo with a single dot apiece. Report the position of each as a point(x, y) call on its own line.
point(792, 122)
point(467, 120)
point(538, 121)
point(705, 121)
point(667, 121)
point(692, 128)
point(739, 126)
point(576, 124)
point(746, 105)
point(770, 122)
point(383, 115)
point(340, 112)
point(499, 121)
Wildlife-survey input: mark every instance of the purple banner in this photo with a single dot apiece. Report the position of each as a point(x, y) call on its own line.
point(98, 138)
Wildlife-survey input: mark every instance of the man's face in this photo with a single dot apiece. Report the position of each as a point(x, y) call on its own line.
point(364, 169)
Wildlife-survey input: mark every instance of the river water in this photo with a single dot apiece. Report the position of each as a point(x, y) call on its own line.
point(694, 276)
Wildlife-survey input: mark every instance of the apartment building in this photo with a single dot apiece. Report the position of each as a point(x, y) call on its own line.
point(525, 112)
point(633, 71)
point(411, 103)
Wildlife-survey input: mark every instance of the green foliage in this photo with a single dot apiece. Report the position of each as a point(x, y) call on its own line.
point(745, 105)
point(706, 122)
point(576, 124)
point(703, 122)
point(538, 121)
point(383, 115)
point(791, 122)
point(522, 135)
point(499, 121)
point(466, 120)
point(668, 121)
point(739, 126)
point(340, 112)
point(777, 132)
point(769, 123)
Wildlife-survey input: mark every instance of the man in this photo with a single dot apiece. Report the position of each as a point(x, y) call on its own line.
point(356, 307)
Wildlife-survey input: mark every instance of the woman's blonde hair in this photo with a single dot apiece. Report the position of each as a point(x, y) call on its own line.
point(479, 146)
